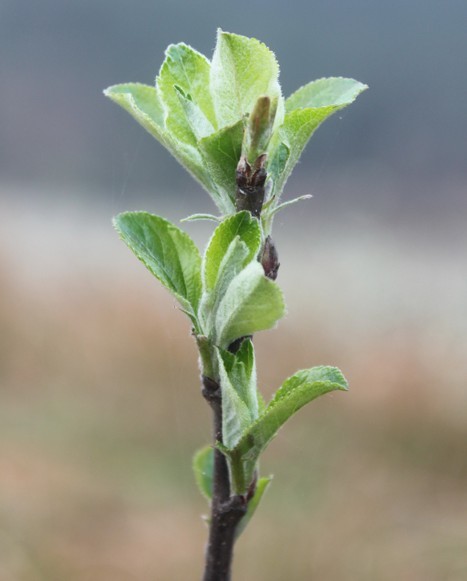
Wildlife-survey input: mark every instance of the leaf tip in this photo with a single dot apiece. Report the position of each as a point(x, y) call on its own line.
point(111, 92)
point(116, 221)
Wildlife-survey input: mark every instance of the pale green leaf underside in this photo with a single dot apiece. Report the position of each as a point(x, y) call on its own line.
point(251, 303)
point(203, 466)
point(145, 105)
point(261, 486)
point(167, 252)
point(298, 390)
point(241, 370)
point(197, 121)
point(236, 416)
point(232, 263)
point(242, 225)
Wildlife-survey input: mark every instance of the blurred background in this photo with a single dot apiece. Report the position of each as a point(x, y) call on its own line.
point(100, 410)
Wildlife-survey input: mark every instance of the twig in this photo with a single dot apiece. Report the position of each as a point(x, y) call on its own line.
point(226, 510)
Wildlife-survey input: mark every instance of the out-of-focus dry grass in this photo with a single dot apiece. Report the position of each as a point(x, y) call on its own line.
point(100, 413)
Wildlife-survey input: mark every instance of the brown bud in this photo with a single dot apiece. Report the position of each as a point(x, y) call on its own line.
point(250, 185)
point(270, 259)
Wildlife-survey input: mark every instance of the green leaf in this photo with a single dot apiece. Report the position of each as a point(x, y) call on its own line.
point(261, 487)
point(241, 370)
point(297, 391)
point(306, 109)
point(251, 303)
point(232, 263)
point(190, 71)
point(199, 124)
point(145, 105)
point(221, 152)
point(331, 91)
point(203, 466)
point(167, 252)
point(235, 243)
point(242, 225)
point(236, 416)
point(290, 141)
point(142, 102)
point(242, 70)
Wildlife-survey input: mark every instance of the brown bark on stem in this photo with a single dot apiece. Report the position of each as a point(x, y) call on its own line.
point(226, 510)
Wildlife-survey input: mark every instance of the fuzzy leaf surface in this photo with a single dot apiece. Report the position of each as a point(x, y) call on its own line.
point(167, 252)
point(189, 70)
point(235, 242)
point(242, 70)
point(232, 264)
point(242, 225)
point(199, 124)
point(251, 303)
point(241, 370)
point(236, 416)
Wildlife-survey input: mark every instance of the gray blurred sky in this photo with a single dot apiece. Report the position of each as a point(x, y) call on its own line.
point(58, 130)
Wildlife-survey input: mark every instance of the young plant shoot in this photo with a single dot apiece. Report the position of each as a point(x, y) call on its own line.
point(227, 123)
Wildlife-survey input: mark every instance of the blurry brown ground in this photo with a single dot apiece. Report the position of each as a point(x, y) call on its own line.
point(100, 410)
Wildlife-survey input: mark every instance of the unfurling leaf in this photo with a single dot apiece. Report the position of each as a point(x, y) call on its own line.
point(241, 372)
point(259, 129)
point(236, 416)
